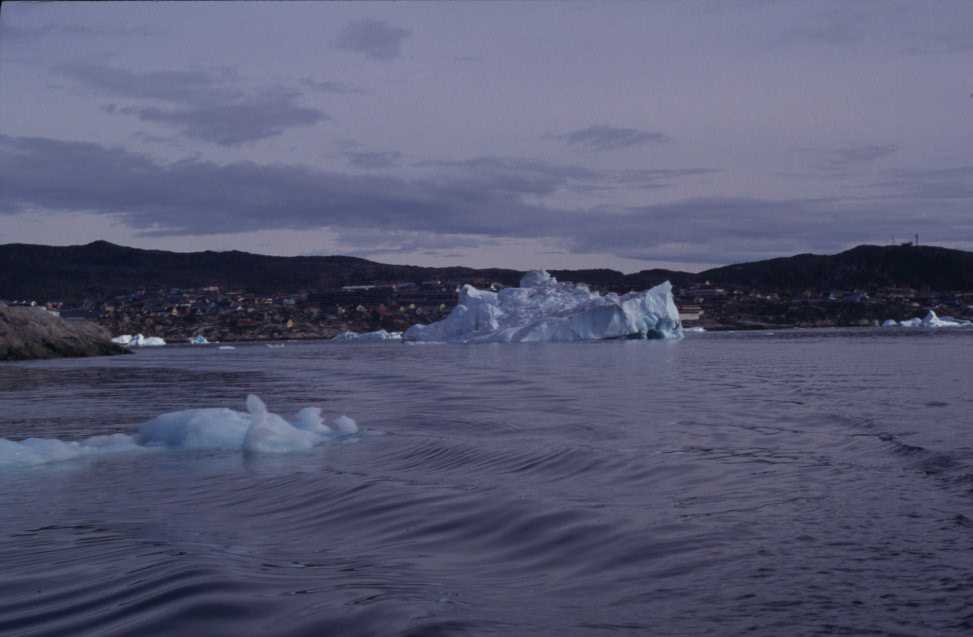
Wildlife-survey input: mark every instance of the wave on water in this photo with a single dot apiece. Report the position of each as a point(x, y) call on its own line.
point(256, 430)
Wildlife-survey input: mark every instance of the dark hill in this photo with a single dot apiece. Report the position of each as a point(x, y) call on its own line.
point(102, 269)
point(865, 267)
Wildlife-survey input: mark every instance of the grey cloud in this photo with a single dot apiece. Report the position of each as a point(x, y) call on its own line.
point(540, 177)
point(329, 86)
point(254, 118)
point(843, 28)
point(199, 104)
point(839, 162)
point(373, 38)
point(11, 32)
point(181, 87)
point(373, 160)
point(955, 183)
point(200, 197)
point(604, 138)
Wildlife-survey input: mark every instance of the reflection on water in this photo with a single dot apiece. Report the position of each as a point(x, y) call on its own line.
point(799, 483)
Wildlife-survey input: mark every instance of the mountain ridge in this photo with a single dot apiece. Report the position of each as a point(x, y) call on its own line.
point(102, 269)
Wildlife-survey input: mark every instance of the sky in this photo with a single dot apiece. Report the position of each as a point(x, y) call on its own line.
point(627, 135)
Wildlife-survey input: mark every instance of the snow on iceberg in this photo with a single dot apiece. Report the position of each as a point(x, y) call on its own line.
point(542, 309)
point(139, 340)
point(256, 430)
point(379, 336)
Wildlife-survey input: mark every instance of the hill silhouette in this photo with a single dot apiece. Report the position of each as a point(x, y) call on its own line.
point(101, 269)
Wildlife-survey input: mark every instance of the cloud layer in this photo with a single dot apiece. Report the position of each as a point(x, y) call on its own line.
point(488, 197)
point(198, 104)
point(603, 138)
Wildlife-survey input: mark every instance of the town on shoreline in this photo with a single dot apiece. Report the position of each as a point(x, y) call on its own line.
point(776, 294)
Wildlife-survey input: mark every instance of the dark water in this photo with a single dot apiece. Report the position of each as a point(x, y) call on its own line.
point(789, 484)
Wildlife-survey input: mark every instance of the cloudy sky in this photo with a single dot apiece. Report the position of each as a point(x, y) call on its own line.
point(625, 135)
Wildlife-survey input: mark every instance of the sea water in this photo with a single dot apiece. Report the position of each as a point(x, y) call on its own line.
point(799, 483)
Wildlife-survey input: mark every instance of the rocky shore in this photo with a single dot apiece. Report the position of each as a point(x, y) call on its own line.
point(30, 332)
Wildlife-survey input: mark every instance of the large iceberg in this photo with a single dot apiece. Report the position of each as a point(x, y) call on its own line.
point(256, 430)
point(545, 310)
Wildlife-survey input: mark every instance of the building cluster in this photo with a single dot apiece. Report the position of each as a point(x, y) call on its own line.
point(714, 307)
point(217, 314)
point(179, 314)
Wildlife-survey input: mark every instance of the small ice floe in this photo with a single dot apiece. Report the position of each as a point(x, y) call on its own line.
point(378, 336)
point(138, 340)
point(198, 340)
point(275, 345)
point(694, 330)
point(256, 430)
point(544, 310)
point(226, 347)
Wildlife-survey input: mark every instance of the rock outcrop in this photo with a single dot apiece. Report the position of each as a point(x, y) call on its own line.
point(31, 332)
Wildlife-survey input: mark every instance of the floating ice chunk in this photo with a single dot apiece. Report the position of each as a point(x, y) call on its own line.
point(309, 419)
point(890, 323)
point(257, 430)
point(345, 425)
point(930, 320)
point(694, 330)
point(377, 336)
point(226, 347)
point(543, 310)
point(139, 340)
point(211, 428)
point(198, 340)
point(34, 451)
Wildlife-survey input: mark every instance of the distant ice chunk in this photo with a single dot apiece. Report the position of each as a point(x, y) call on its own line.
point(139, 340)
point(544, 310)
point(931, 320)
point(694, 330)
point(378, 336)
point(256, 430)
point(198, 340)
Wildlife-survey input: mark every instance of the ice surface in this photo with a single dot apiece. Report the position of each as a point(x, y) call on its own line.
point(543, 309)
point(367, 337)
point(256, 430)
point(198, 340)
point(930, 320)
point(139, 340)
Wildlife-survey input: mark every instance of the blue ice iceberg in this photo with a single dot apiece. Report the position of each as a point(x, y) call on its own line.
point(256, 430)
point(542, 309)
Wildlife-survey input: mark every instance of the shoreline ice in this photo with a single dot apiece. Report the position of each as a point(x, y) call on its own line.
point(138, 340)
point(378, 336)
point(542, 309)
point(930, 320)
point(257, 430)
